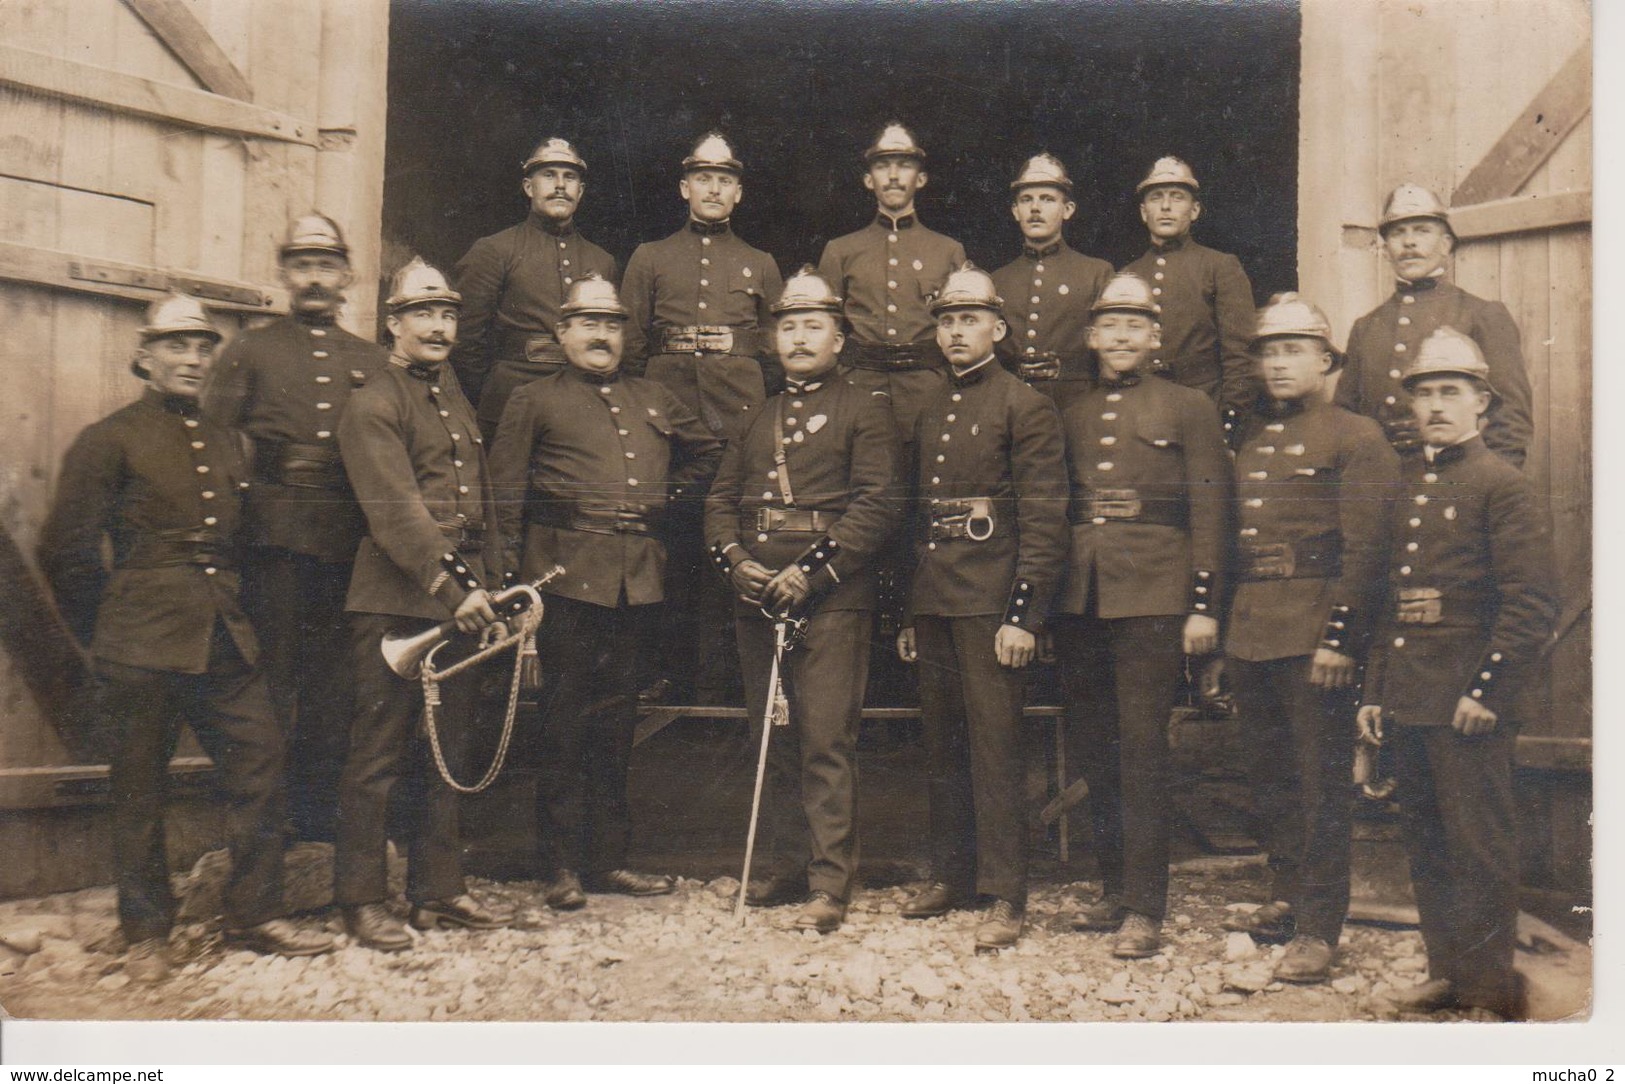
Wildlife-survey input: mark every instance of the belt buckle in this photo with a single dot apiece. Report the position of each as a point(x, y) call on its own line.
point(715, 341)
point(1420, 606)
point(1115, 504)
point(768, 519)
point(1272, 561)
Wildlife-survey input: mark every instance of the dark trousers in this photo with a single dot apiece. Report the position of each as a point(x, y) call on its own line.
point(971, 707)
point(1302, 751)
point(228, 709)
point(296, 603)
point(1119, 678)
point(587, 713)
point(389, 771)
point(1460, 829)
point(808, 797)
point(690, 638)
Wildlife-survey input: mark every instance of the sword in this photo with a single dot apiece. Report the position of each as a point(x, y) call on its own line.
point(776, 714)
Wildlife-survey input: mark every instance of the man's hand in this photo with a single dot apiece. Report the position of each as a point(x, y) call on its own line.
point(493, 633)
point(787, 590)
point(1201, 635)
point(905, 645)
point(749, 577)
point(474, 612)
point(1014, 646)
point(1331, 669)
point(1368, 723)
point(1472, 718)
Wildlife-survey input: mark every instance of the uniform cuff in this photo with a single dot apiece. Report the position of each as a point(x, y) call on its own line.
point(816, 557)
point(1018, 611)
point(725, 557)
point(1335, 636)
point(1488, 676)
point(455, 581)
point(1202, 601)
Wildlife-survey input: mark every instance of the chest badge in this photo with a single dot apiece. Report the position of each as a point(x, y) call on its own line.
point(1294, 449)
point(746, 272)
point(800, 436)
point(1450, 512)
point(1063, 289)
point(358, 378)
point(817, 422)
point(919, 266)
point(653, 413)
point(975, 430)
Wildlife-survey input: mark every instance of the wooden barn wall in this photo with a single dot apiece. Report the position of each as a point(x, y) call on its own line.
point(106, 184)
point(1396, 90)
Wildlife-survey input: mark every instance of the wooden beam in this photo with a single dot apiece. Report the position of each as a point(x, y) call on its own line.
point(131, 94)
point(1561, 104)
point(1520, 214)
point(80, 784)
point(134, 282)
point(190, 41)
point(1553, 754)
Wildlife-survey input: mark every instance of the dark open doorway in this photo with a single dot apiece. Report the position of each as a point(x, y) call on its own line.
point(1107, 86)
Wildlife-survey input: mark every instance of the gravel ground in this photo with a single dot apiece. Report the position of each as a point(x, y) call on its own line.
point(684, 958)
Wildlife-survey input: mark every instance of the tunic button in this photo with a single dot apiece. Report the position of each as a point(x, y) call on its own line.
point(1032, 317)
point(564, 263)
point(210, 571)
point(1039, 268)
point(613, 409)
point(433, 390)
point(1037, 283)
point(1409, 299)
point(1404, 570)
point(1098, 520)
point(1390, 400)
point(324, 380)
point(202, 468)
point(605, 388)
point(1035, 299)
point(1157, 276)
point(1156, 291)
point(705, 240)
point(891, 237)
point(1108, 441)
point(456, 436)
point(891, 331)
point(1411, 547)
point(891, 284)
point(951, 417)
point(319, 332)
point(208, 494)
point(561, 244)
point(318, 353)
point(956, 397)
point(767, 495)
point(1255, 502)
point(198, 444)
point(702, 305)
point(568, 280)
point(1421, 498)
point(891, 308)
point(324, 406)
point(624, 432)
point(1399, 641)
point(631, 455)
point(795, 404)
point(936, 480)
point(892, 261)
point(1162, 261)
point(1258, 475)
point(631, 481)
point(445, 413)
point(209, 521)
point(1430, 477)
point(705, 261)
point(945, 438)
point(761, 538)
point(323, 434)
point(705, 282)
point(1032, 334)
point(1104, 466)
point(941, 458)
point(1404, 321)
point(191, 423)
point(1415, 522)
point(1114, 397)
point(772, 474)
point(462, 489)
point(1399, 348)
point(930, 545)
point(1393, 374)
point(1109, 416)
point(1276, 427)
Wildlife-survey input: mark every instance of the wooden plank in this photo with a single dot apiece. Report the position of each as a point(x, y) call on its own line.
point(61, 785)
point(193, 46)
point(1553, 754)
point(137, 282)
point(1530, 139)
point(1569, 478)
point(96, 85)
point(1520, 214)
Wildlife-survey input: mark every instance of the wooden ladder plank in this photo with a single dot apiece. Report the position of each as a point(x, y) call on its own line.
point(193, 45)
point(1561, 104)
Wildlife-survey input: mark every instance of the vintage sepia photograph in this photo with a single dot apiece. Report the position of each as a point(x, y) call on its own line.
point(742, 511)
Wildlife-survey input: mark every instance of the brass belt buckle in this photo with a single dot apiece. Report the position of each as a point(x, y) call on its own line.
point(718, 341)
point(1272, 561)
point(1420, 606)
point(1115, 504)
point(768, 519)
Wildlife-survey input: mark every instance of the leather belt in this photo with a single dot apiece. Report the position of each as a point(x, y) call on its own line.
point(968, 518)
point(885, 358)
point(1419, 606)
point(1098, 506)
point(181, 546)
point(531, 352)
point(599, 517)
point(301, 466)
point(1040, 366)
point(769, 520)
point(1318, 558)
point(710, 339)
point(463, 536)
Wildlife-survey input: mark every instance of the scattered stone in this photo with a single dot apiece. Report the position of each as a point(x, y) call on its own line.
point(1239, 946)
point(116, 981)
point(98, 931)
point(1247, 980)
point(1226, 1000)
point(725, 887)
point(923, 981)
point(1349, 984)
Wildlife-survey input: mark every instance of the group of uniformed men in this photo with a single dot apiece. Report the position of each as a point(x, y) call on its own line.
point(1127, 469)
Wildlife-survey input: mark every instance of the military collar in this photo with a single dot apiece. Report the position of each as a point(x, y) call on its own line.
point(887, 222)
point(1174, 245)
point(170, 404)
point(324, 320)
point(793, 387)
point(964, 378)
point(587, 376)
point(1405, 287)
point(1109, 378)
point(1039, 253)
point(1286, 408)
point(554, 229)
point(1452, 453)
point(417, 370)
point(708, 229)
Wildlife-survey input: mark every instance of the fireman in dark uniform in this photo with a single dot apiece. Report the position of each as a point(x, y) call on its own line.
point(801, 505)
point(886, 272)
point(164, 485)
point(698, 309)
point(285, 385)
point(586, 462)
point(413, 453)
point(1047, 344)
point(1470, 606)
point(991, 539)
point(1150, 487)
point(1417, 237)
point(1314, 484)
point(513, 283)
point(1207, 302)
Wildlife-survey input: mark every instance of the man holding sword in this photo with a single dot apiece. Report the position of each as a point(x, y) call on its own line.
point(801, 505)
